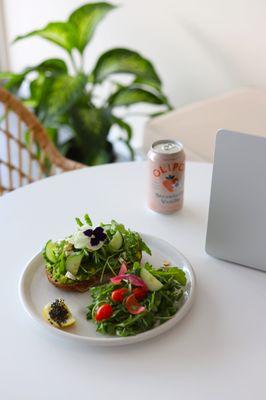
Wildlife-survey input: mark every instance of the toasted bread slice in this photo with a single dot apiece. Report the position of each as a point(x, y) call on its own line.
point(81, 286)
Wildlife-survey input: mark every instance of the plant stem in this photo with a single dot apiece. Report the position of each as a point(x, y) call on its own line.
point(81, 63)
point(132, 320)
point(73, 63)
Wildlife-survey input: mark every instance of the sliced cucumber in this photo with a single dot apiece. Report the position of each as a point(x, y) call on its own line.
point(116, 241)
point(151, 282)
point(73, 263)
point(49, 251)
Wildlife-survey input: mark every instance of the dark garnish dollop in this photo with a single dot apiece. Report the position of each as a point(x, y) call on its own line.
point(58, 312)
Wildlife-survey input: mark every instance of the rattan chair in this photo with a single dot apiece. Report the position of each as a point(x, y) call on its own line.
point(26, 152)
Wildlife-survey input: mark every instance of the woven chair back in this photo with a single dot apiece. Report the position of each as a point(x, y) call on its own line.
point(26, 152)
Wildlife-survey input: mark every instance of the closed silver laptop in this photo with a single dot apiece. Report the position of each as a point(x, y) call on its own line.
point(237, 215)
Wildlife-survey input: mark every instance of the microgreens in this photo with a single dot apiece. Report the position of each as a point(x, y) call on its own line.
point(99, 258)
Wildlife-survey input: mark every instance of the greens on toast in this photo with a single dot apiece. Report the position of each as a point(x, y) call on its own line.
point(91, 255)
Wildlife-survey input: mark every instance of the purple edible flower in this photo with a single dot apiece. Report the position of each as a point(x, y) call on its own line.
point(95, 241)
point(96, 235)
point(99, 233)
point(88, 232)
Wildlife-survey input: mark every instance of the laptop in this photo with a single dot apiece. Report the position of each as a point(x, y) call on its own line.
point(237, 213)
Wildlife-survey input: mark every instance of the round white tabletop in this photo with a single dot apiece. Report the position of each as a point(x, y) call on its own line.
point(216, 352)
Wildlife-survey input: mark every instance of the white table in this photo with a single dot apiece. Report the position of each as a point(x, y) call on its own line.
point(216, 352)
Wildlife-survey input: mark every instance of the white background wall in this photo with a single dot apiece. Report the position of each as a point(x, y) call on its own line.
point(200, 47)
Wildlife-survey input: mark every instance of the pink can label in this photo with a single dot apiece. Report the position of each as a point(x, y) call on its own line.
point(166, 186)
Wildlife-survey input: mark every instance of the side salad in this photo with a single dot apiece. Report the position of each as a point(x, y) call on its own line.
point(139, 298)
point(91, 254)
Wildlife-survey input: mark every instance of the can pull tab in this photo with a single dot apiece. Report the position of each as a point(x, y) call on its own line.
point(169, 146)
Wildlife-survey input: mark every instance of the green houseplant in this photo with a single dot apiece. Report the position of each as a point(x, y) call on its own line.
point(62, 94)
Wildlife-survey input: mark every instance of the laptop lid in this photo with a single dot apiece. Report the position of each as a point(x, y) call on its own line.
point(237, 214)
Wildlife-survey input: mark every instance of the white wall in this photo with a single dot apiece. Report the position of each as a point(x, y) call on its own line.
point(200, 47)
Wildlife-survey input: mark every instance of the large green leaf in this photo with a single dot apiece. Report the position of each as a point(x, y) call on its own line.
point(61, 33)
point(131, 95)
point(125, 61)
point(39, 95)
point(123, 125)
point(63, 93)
point(91, 127)
point(126, 128)
point(53, 134)
point(36, 88)
point(52, 65)
point(7, 75)
point(29, 103)
point(85, 19)
point(11, 81)
point(147, 83)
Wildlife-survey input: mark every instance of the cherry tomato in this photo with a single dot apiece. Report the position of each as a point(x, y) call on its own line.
point(132, 305)
point(119, 294)
point(140, 292)
point(104, 312)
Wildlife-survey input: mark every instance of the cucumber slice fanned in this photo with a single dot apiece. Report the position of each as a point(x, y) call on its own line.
point(151, 282)
point(50, 251)
point(73, 263)
point(116, 241)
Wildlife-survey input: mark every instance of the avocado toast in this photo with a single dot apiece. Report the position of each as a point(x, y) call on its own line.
point(91, 255)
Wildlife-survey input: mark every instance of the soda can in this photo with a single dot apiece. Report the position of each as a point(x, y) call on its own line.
point(166, 176)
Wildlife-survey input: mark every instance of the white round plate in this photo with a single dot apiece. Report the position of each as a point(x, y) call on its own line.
point(35, 291)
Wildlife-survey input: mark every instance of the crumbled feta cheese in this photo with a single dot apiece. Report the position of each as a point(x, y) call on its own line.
point(70, 276)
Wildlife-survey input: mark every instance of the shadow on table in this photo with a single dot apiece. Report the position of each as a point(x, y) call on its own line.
point(197, 337)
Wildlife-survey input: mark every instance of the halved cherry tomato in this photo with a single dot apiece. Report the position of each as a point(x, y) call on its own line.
point(140, 292)
point(104, 312)
point(119, 294)
point(132, 305)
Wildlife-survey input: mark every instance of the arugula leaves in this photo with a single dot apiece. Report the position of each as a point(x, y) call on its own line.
point(160, 306)
point(78, 221)
point(87, 219)
point(98, 262)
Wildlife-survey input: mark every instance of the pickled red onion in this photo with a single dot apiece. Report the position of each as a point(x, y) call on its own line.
point(134, 279)
point(123, 268)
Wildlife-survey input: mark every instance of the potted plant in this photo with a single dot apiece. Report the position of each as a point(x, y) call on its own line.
point(63, 94)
